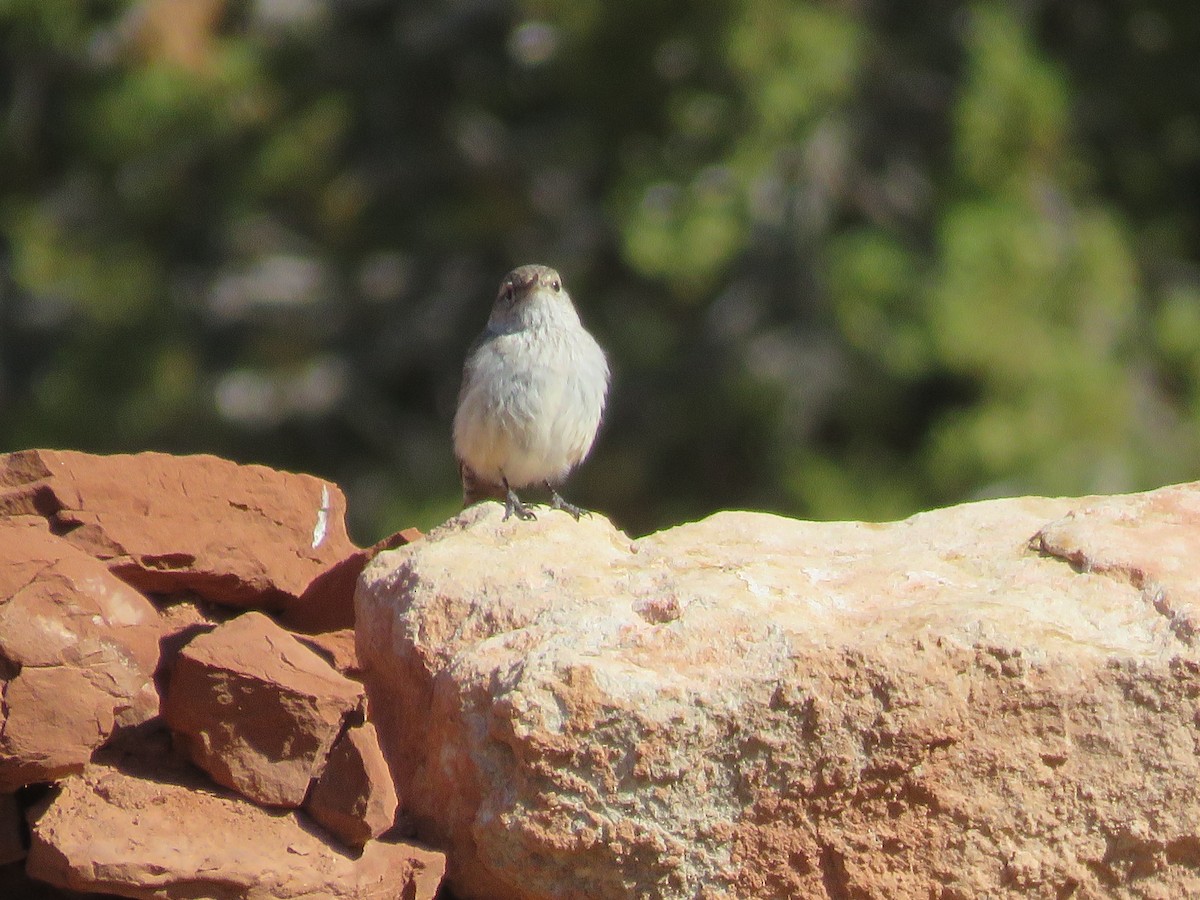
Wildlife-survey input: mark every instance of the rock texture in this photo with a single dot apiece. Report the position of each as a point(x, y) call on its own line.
point(257, 709)
point(139, 828)
point(78, 651)
point(1149, 540)
point(245, 536)
point(336, 648)
point(354, 797)
point(123, 579)
point(998, 699)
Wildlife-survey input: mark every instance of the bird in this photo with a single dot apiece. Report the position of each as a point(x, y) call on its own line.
point(534, 386)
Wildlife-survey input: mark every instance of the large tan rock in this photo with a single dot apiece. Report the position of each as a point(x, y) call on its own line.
point(145, 828)
point(78, 651)
point(244, 536)
point(256, 709)
point(751, 706)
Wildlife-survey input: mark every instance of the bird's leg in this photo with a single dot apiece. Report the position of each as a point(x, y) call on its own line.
point(558, 502)
point(513, 504)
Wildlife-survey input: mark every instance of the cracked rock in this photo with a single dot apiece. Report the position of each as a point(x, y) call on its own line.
point(256, 709)
point(240, 535)
point(78, 650)
point(355, 797)
point(167, 833)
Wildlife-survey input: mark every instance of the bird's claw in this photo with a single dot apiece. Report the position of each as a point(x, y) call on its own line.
point(558, 502)
point(513, 505)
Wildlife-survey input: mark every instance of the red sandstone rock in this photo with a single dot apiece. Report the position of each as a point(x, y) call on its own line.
point(244, 536)
point(55, 719)
point(256, 709)
point(78, 650)
point(336, 647)
point(323, 606)
point(354, 797)
point(328, 603)
point(180, 621)
point(169, 834)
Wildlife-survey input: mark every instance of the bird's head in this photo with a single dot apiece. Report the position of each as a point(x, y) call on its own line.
point(530, 295)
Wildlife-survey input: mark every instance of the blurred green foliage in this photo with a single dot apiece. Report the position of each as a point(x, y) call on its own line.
point(849, 259)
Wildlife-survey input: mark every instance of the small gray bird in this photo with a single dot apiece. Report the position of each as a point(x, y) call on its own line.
point(532, 394)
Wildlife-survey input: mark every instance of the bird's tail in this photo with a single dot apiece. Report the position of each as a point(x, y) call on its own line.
point(476, 489)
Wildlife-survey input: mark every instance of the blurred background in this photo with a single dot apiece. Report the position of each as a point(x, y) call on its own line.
point(849, 259)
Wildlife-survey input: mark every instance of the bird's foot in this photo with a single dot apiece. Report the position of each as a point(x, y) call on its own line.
point(557, 502)
point(513, 505)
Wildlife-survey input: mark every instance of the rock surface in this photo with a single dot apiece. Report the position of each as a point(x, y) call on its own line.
point(1149, 540)
point(78, 651)
point(257, 709)
point(354, 797)
point(85, 654)
point(237, 535)
point(336, 648)
point(146, 829)
point(997, 699)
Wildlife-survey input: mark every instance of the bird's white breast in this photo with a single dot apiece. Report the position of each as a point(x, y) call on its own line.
point(532, 401)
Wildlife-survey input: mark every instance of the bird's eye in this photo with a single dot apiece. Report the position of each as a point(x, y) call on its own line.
point(508, 292)
point(556, 284)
